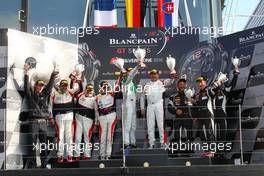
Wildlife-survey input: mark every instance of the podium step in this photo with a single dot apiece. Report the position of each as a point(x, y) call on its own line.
point(65, 165)
point(90, 164)
point(96, 163)
point(182, 161)
point(154, 157)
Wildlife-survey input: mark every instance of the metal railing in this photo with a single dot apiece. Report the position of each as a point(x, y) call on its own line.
point(244, 137)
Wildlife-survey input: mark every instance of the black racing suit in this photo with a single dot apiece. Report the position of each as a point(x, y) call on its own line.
point(39, 113)
point(203, 111)
point(219, 105)
point(179, 101)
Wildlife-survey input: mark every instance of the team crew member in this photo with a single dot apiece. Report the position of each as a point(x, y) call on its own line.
point(204, 110)
point(129, 107)
point(38, 110)
point(153, 92)
point(107, 117)
point(62, 101)
point(219, 106)
point(86, 113)
point(178, 105)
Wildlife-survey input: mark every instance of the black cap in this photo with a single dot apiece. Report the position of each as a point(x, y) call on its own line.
point(104, 82)
point(181, 80)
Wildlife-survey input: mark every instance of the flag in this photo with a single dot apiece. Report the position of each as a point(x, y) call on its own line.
point(133, 13)
point(105, 14)
point(168, 13)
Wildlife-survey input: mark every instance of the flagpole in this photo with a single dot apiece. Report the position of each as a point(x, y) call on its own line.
point(85, 19)
point(189, 21)
point(149, 10)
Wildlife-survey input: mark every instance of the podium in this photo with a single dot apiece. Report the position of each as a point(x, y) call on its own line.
point(137, 157)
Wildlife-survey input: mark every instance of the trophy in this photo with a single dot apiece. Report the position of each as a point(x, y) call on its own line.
point(79, 68)
point(221, 78)
point(189, 93)
point(55, 66)
point(77, 73)
point(171, 62)
point(31, 61)
point(140, 55)
point(184, 77)
point(119, 63)
point(236, 62)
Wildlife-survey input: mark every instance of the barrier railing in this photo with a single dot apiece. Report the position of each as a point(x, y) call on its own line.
point(235, 138)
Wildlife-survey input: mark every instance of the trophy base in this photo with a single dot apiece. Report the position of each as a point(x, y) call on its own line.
point(142, 65)
point(189, 104)
point(172, 72)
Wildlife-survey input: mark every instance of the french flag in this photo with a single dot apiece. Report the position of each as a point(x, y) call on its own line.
point(168, 13)
point(105, 14)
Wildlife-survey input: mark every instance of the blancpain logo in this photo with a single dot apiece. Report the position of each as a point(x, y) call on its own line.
point(133, 41)
point(153, 39)
point(253, 37)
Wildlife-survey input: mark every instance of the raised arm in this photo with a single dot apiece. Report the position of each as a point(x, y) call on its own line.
point(76, 87)
point(232, 84)
point(26, 80)
point(170, 81)
point(131, 75)
point(117, 85)
point(48, 88)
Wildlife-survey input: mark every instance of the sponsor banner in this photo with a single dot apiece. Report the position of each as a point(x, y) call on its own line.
point(121, 42)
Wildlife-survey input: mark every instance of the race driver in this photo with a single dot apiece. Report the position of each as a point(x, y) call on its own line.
point(62, 104)
point(153, 92)
point(203, 111)
point(85, 115)
point(219, 106)
point(106, 103)
point(178, 105)
point(129, 91)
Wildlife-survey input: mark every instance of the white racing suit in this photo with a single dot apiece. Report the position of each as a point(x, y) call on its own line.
point(129, 108)
point(86, 113)
point(107, 122)
point(63, 113)
point(153, 91)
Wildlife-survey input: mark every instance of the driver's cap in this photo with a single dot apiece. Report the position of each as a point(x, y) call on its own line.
point(200, 78)
point(129, 69)
point(40, 82)
point(89, 87)
point(105, 82)
point(64, 82)
point(153, 71)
